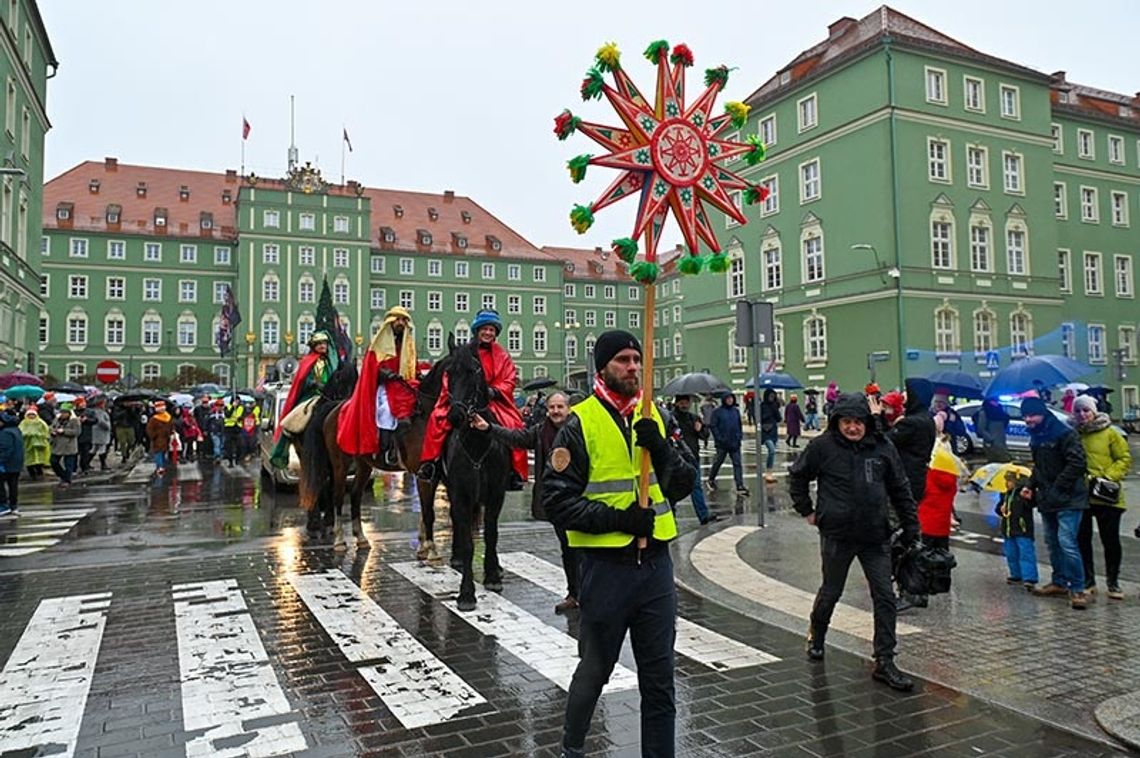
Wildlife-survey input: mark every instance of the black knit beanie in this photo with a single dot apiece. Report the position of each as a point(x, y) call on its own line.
point(610, 344)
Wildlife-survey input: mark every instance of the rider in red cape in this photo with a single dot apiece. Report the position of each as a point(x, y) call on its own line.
point(386, 391)
point(501, 376)
point(313, 371)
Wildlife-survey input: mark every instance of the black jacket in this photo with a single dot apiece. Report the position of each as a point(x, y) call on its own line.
point(1059, 467)
point(913, 436)
point(531, 438)
point(858, 481)
point(687, 421)
point(769, 416)
point(564, 500)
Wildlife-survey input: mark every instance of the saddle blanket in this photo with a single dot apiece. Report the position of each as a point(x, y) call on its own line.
point(297, 419)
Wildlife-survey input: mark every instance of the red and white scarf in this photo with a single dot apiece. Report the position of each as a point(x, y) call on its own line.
point(623, 405)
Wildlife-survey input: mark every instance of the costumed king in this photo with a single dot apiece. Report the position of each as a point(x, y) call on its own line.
point(313, 372)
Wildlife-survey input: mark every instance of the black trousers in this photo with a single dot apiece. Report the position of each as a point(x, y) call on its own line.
point(569, 563)
point(875, 558)
point(617, 598)
point(1108, 524)
point(10, 489)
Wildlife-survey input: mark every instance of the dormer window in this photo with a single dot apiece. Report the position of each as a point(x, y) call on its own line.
point(184, 193)
point(399, 210)
point(206, 220)
point(423, 236)
point(63, 211)
point(459, 240)
point(114, 214)
point(466, 216)
point(597, 267)
point(227, 197)
point(433, 214)
point(569, 266)
point(493, 243)
point(1126, 112)
point(140, 190)
point(93, 186)
point(387, 235)
point(160, 217)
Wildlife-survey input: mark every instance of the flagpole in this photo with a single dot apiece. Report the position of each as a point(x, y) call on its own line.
point(343, 132)
point(243, 123)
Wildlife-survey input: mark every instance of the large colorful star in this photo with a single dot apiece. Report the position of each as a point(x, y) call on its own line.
point(670, 156)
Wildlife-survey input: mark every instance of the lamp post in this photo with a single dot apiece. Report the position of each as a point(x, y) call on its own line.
point(566, 329)
point(250, 338)
point(894, 272)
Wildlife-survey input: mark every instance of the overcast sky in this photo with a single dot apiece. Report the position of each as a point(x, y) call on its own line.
point(461, 95)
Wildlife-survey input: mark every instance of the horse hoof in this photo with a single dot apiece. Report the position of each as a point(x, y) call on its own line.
point(423, 551)
point(340, 546)
point(465, 604)
point(493, 586)
point(363, 543)
point(434, 559)
point(455, 563)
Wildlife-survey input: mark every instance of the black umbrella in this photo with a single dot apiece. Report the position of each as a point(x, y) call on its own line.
point(540, 383)
point(957, 383)
point(697, 383)
point(69, 387)
point(812, 391)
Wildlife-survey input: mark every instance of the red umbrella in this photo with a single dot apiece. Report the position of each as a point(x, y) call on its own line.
point(19, 377)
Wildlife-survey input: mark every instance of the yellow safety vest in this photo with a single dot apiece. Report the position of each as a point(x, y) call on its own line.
point(615, 471)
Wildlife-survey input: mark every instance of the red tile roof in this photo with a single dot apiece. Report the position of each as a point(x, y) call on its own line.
point(1089, 101)
point(600, 264)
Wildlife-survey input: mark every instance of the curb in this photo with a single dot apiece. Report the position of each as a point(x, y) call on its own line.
point(1120, 717)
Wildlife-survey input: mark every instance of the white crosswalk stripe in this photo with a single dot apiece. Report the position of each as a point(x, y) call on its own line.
point(694, 641)
point(186, 472)
point(232, 703)
point(44, 685)
point(550, 652)
point(37, 528)
point(715, 557)
point(418, 688)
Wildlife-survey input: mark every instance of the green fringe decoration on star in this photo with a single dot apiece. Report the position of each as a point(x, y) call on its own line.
point(626, 249)
point(757, 153)
point(656, 49)
point(691, 264)
point(565, 124)
point(739, 113)
point(718, 263)
point(581, 218)
point(593, 84)
point(608, 57)
point(718, 75)
point(577, 166)
point(644, 272)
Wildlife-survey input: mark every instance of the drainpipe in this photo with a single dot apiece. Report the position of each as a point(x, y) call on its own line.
point(895, 209)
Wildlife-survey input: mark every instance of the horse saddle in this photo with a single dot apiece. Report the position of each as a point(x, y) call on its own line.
point(297, 419)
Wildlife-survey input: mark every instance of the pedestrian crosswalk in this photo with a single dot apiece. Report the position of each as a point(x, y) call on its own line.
point(37, 528)
point(235, 697)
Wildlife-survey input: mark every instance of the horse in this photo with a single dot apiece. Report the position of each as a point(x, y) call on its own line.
point(331, 466)
point(478, 468)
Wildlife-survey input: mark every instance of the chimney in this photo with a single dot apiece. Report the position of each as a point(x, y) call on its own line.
point(110, 164)
point(448, 196)
point(231, 176)
point(1058, 77)
point(840, 27)
point(597, 250)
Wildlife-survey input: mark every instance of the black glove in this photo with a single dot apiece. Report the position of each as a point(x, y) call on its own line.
point(492, 393)
point(649, 436)
point(387, 375)
point(910, 535)
point(635, 520)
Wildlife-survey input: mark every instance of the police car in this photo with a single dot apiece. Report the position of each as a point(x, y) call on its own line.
point(271, 407)
point(1016, 434)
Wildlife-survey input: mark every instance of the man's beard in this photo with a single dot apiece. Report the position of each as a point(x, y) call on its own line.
point(623, 387)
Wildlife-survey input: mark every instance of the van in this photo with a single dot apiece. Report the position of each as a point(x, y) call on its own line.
point(271, 408)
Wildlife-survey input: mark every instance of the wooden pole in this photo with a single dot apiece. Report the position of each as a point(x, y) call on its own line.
point(647, 397)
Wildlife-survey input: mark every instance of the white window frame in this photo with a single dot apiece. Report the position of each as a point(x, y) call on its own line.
point(947, 331)
point(983, 169)
point(116, 250)
point(942, 245)
point(815, 340)
point(1093, 267)
point(1014, 254)
point(1119, 208)
point(187, 290)
point(1017, 185)
point(935, 79)
point(814, 263)
point(980, 107)
point(187, 254)
point(307, 255)
point(772, 258)
point(807, 113)
point(462, 302)
point(407, 299)
point(115, 336)
point(1097, 336)
point(306, 290)
point(435, 301)
point(1086, 144)
point(736, 281)
point(1122, 276)
point(1126, 341)
point(489, 301)
point(488, 270)
point(1057, 132)
point(376, 264)
point(121, 289)
point(186, 332)
point(1065, 269)
point(340, 225)
point(1013, 114)
point(1116, 149)
point(271, 219)
point(271, 254)
point(988, 249)
point(340, 257)
point(77, 247)
point(985, 331)
point(340, 292)
point(462, 270)
point(938, 160)
point(771, 204)
point(737, 197)
point(1090, 211)
point(540, 305)
point(539, 274)
point(514, 272)
point(768, 124)
point(1060, 200)
point(222, 256)
point(806, 183)
point(1021, 340)
point(514, 305)
point(407, 267)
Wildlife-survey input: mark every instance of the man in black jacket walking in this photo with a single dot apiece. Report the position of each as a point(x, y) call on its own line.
point(693, 431)
point(539, 437)
point(860, 477)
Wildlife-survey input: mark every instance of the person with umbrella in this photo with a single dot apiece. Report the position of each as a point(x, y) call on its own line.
point(693, 431)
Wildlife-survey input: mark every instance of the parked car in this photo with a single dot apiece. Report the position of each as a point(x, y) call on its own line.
point(271, 407)
point(1016, 435)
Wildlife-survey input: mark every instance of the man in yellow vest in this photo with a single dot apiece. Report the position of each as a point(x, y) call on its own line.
point(591, 491)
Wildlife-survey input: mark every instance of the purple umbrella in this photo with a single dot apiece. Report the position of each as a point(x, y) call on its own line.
point(19, 377)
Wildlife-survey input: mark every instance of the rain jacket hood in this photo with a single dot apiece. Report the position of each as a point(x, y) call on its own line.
point(919, 394)
point(851, 405)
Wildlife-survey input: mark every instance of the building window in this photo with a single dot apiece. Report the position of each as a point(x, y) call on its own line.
point(488, 270)
point(941, 244)
point(488, 301)
point(1065, 270)
point(1010, 102)
point(514, 339)
point(1090, 205)
point(1060, 200)
point(768, 130)
point(376, 264)
point(435, 338)
point(1096, 343)
point(151, 332)
point(935, 86)
point(947, 338)
point(569, 290)
point(634, 320)
point(514, 272)
point(116, 288)
point(76, 371)
point(435, 301)
point(1122, 274)
point(461, 302)
point(376, 299)
point(1116, 149)
point(187, 291)
point(975, 94)
point(980, 260)
point(815, 339)
point(305, 328)
point(539, 274)
point(1068, 340)
point(151, 372)
point(340, 257)
point(1093, 279)
point(307, 255)
point(187, 332)
point(152, 252)
point(1015, 256)
point(1011, 173)
point(806, 112)
point(116, 250)
point(221, 256)
point(985, 336)
point(307, 291)
point(407, 299)
point(271, 219)
point(938, 160)
point(340, 224)
point(45, 331)
point(270, 254)
point(77, 287)
point(589, 291)
point(540, 305)
point(188, 254)
point(78, 246)
point(609, 292)
point(810, 188)
point(270, 333)
point(77, 330)
point(736, 273)
point(634, 294)
point(1086, 147)
point(1020, 333)
point(307, 222)
point(220, 291)
point(462, 333)
point(435, 268)
point(1126, 340)
point(571, 347)
point(1058, 134)
point(270, 289)
point(539, 339)
point(609, 319)
point(1119, 208)
point(737, 356)
point(340, 293)
point(590, 318)
point(115, 331)
point(773, 268)
point(813, 258)
point(977, 167)
point(407, 267)
point(45, 285)
point(461, 269)
point(771, 203)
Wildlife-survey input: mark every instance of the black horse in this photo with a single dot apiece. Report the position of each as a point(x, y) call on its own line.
point(478, 468)
point(315, 497)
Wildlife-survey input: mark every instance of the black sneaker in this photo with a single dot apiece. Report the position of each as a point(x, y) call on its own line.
point(888, 673)
point(709, 519)
point(815, 649)
point(712, 486)
point(741, 490)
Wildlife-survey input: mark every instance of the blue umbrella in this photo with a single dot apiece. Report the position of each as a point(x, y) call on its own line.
point(24, 391)
point(957, 383)
point(776, 381)
point(1040, 370)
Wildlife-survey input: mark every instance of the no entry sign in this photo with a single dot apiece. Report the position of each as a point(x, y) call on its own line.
point(108, 372)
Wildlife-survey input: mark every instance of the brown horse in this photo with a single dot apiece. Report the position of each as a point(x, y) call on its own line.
point(325, 469)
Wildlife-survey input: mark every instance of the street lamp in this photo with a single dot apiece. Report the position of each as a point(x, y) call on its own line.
point(894, 272)
point(566, 328)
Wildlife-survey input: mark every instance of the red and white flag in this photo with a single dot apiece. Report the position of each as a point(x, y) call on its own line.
point(245, 127)
point(347, 141)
